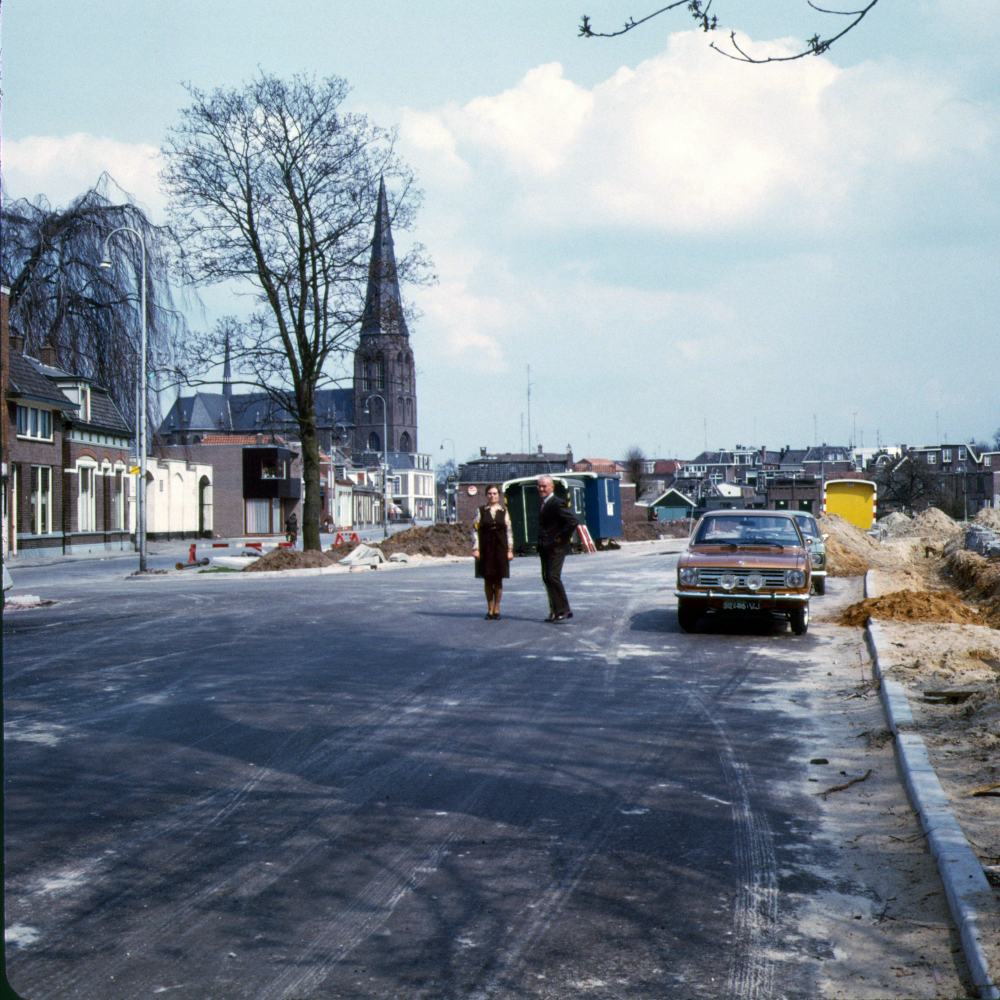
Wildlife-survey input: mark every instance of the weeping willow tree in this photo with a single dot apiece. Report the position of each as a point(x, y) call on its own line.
point(50, 259)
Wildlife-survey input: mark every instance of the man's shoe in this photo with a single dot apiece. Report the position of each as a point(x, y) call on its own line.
point(552, 618)
point(564, 617)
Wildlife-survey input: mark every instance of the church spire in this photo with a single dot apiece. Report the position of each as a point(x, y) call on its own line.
point(383, 306)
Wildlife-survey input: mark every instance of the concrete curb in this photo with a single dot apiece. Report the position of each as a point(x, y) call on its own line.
point(970, 897)
point(285, 574)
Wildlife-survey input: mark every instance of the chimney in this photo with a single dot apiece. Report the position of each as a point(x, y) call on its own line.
point(482, 452)
point(539, 449)
point(47, 355)
point(17, 343)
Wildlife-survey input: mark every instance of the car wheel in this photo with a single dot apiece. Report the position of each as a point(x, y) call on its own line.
point(687, 617)
point(799, 619)
point(819, 582)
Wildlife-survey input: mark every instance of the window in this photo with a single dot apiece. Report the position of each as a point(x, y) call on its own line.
point(87, 516)
point(40, 500)
point(34, 423)
point(946, 455)
point(85, 403)
point(988, 461)
point(381, 372)
point(119, 508)
point(961, 454)
point(374, 442)
point(932, 459)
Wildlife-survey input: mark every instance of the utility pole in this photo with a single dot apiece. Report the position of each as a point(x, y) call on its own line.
point(528, 369)
point(522, 433)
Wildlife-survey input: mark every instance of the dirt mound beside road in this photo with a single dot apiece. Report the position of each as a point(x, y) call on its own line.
point(437, 540)
point(911, 606)
point(932, 524)
point(988, 517)
point(850, 551)
point(282, 558)
point(979, 579)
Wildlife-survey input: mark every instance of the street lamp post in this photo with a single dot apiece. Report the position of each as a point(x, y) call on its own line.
point(385, 462)
point(141, 520)
point(449, 503)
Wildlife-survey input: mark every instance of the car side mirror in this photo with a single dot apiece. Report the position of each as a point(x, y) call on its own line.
point(824, 537)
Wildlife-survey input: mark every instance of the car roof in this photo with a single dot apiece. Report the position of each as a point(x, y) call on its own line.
point(751, 513)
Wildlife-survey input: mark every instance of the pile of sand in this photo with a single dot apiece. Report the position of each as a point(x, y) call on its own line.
point(932, 524)
point(988, 517)
point(911, 606)
point(978, 578)
point(282, 558)
point(437, 540)
point(894, 522)
point(678, 528)
point(643, 531)
point(849, 550)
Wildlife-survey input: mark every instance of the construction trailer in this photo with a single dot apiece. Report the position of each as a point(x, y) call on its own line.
point(853, 499)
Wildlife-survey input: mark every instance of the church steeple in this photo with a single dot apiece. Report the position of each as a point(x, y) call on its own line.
point(383, 361)
point(383, 306)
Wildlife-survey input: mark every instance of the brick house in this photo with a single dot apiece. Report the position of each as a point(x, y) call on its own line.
point(256, 481)
point(68, 452)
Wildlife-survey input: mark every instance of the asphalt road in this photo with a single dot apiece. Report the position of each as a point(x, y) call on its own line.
point(354, 786)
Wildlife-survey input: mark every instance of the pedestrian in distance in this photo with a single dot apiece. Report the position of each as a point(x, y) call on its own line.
point(492, 548)
point(556, 524)
point(291, 528)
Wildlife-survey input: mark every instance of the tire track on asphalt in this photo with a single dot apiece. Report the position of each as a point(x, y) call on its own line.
point(375, 902)
point(751, 972)
point(191, 917)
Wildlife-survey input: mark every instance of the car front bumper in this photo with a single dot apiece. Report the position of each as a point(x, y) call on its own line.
point(722, 600)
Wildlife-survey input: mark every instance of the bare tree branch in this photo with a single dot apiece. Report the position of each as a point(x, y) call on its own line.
point(699, 9)
point(50, 258)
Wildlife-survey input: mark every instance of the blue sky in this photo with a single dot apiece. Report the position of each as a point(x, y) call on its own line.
point(684, 249)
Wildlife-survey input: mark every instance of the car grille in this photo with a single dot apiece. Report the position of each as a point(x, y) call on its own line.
point(713, 577)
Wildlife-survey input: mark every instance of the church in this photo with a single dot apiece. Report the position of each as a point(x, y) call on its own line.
point(381, 401)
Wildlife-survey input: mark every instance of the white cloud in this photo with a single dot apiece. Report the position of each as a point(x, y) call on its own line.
point(691, 142)
point(63, 167)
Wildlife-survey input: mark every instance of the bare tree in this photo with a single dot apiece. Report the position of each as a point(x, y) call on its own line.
point(699, 10)
point(996, 439)
point(635, 468)
point(907, 482)
point(50, 258)
point(273, 186)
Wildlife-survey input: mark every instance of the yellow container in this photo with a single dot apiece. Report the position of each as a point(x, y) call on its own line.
point(852, 499)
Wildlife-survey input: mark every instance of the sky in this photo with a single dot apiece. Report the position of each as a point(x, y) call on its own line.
point(686, 250)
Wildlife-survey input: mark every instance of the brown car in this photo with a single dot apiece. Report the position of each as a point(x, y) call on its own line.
point(745, 562)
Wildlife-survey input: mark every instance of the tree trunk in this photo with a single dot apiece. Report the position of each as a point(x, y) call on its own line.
point(310, 479)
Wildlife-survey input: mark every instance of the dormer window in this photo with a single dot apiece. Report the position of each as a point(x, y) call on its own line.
point(84, 414)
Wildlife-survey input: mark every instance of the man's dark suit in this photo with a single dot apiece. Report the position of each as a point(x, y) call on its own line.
point(556, 524)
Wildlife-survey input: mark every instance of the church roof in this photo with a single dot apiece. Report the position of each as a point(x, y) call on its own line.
point(383, 312)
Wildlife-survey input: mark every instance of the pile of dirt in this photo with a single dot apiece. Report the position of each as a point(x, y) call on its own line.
point(894, 522)
point(849, 550)
point(437, 540)
point(988, 517)
point(642, 531)
point(932, 524)
point(678, 528)
point(911, 606)
point(282, 558)
point(978, 578)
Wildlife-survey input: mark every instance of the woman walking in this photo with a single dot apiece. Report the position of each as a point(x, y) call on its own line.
point(492, 548)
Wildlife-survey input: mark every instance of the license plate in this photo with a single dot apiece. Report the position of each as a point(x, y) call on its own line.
point(741, 605)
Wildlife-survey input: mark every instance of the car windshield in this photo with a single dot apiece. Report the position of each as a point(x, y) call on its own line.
point(807, 525)
point(747, 531)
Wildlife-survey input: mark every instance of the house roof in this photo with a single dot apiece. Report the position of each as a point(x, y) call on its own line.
point(666, 493)
point(27, 382)
point(103, 412)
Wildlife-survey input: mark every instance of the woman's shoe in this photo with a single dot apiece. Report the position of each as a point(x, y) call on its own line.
point(496, 616)
point(489, 616)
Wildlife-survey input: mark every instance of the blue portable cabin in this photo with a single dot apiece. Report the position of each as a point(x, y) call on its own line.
point(603, 505)
point(523, 501)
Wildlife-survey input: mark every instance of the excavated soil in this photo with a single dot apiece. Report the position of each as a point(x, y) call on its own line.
point(978, 578)
point(911, 606)
point(931, 524)
point(282, 558)
point(437, 540)
point(988, 517)
point(679, 528)
point(849, 550)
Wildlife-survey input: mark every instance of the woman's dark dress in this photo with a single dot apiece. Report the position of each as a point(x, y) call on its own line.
point(492, 559)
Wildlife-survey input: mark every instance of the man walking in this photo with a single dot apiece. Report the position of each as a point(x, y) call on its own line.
point(556, 524)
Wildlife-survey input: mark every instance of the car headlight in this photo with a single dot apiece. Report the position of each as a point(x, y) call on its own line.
point(819, 559)
point(688, 576)
point(795, 578)
point(727, 581)
point(755, 581)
